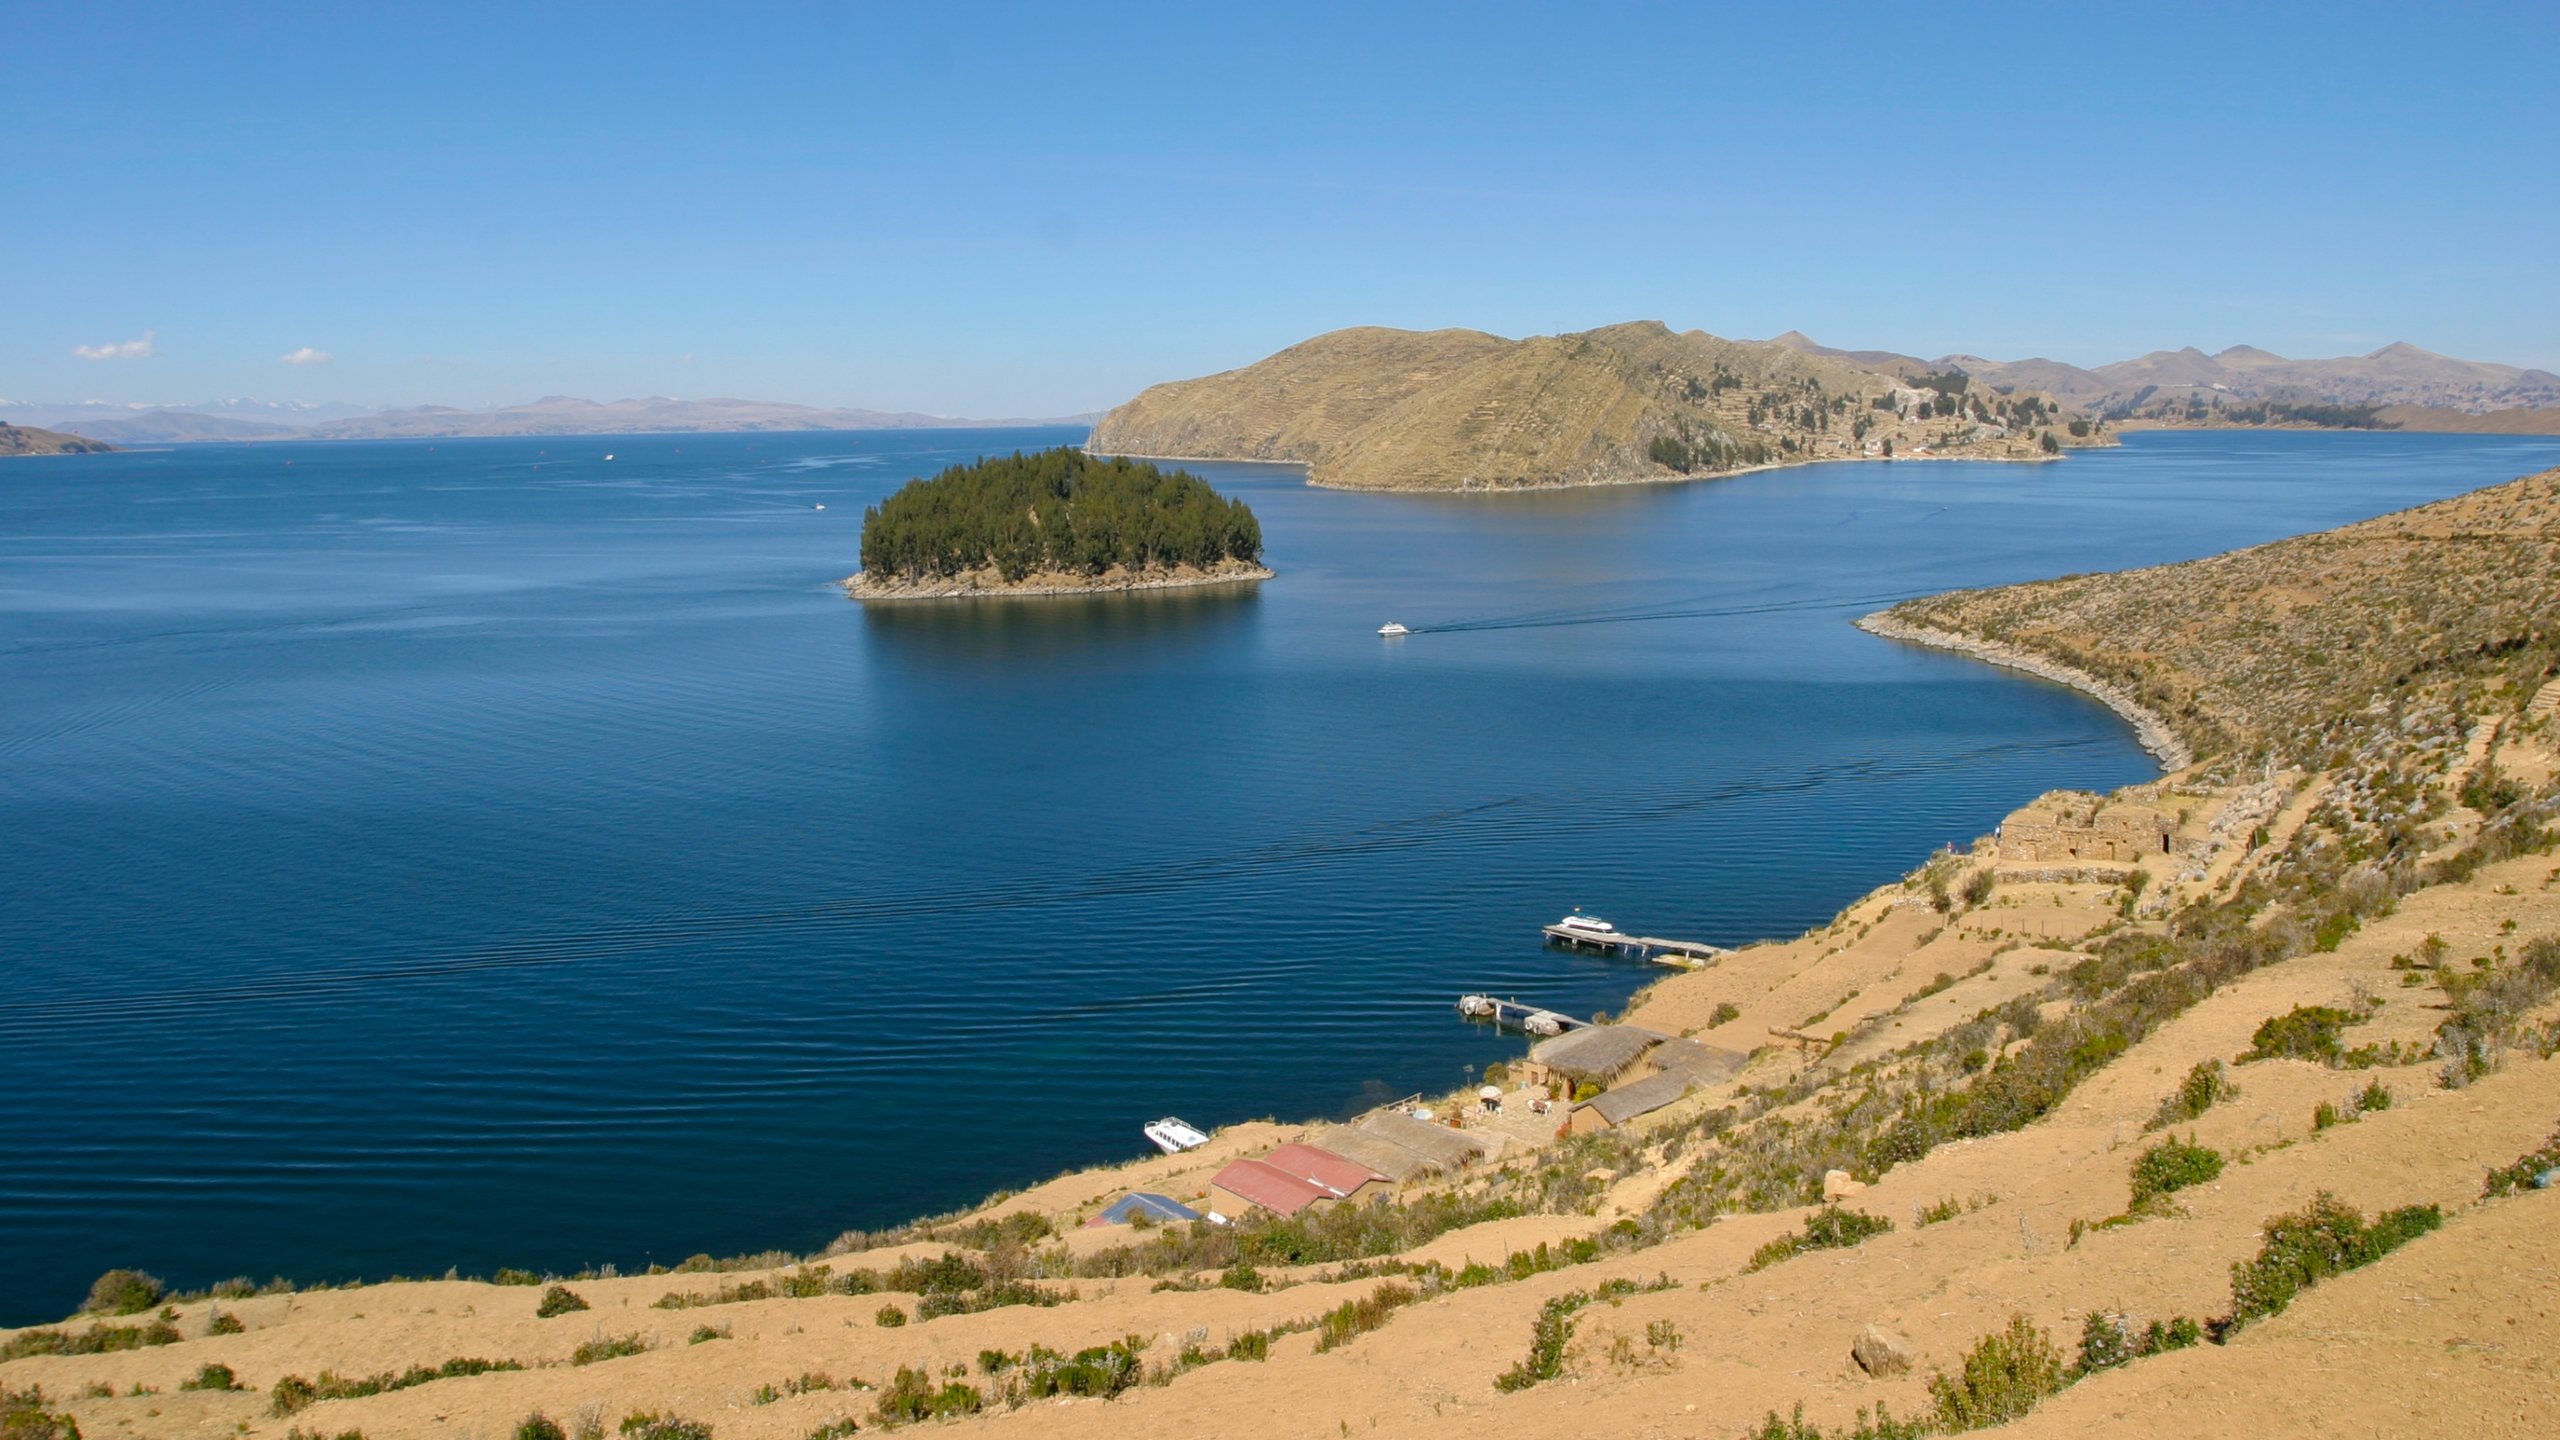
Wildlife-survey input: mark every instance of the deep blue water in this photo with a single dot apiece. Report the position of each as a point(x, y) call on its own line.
point(485, 853)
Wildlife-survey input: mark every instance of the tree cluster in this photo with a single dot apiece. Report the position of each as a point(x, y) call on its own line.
point(1055, 511)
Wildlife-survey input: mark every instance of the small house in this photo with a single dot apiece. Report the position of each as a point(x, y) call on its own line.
point(1249, 1185)
point(1162, 1209)
point(1346, 1178)
point(1600, 1055)
point(1632, 1101)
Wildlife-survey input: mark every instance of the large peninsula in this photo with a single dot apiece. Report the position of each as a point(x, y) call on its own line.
point(1379, 409)
point(1058, 522)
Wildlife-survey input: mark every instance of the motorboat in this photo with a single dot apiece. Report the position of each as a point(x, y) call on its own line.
point(1172, 1136)
point(1586, 924)
point(1392, 629)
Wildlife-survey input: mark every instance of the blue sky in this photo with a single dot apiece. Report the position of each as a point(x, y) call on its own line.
point(1041, 209)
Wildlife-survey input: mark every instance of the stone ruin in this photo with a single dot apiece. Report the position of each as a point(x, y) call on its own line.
point(2074, 830)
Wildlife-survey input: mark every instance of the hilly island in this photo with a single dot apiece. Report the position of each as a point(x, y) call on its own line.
point(1057, 522)
point(1380, 409)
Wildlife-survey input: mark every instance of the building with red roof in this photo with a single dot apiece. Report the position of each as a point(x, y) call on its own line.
point(1345, 1179)
point(1249, 1185)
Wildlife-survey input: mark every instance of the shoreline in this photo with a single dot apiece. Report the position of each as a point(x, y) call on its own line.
point(2149, 727)
point(857, 587)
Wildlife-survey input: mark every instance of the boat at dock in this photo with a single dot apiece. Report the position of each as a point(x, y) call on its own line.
point(1578, 931)
point(1173, 1136)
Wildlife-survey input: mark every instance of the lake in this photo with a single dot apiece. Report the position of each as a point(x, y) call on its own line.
point(481, 853)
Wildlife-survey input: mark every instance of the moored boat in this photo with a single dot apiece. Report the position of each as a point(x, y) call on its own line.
point(1172, 1136)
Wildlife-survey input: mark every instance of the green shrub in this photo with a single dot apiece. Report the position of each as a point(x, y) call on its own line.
point(1830, 1228)
point(2169, 1167)
point(1725, 1010)
point(2107, 1341)
point(2005, 1375)
point(538, 1426)
point(2526, 1173)
point(708, 1332)
point(96, 1340)
point(1882, 1427)
point(559, 1300)
point(212, 1377)
point(515, 1277)
point(2322, 1239)
point(611, 1347)
point(911, 1396)
point(24, 1416)
point(2306, 1032)
point(2206, 1086)
point(293, 1393)
point(1946, 1209)
point(650, 1425)
point(889, 1317)
point(1242, 1276)
point(835, 1430)
point(124, 1292)
point(1354, 1318)
point(1101, 1372)
point(1251, 1345)
point(221, 1322)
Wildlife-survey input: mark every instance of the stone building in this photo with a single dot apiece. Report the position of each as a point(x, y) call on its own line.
point(2068, 828)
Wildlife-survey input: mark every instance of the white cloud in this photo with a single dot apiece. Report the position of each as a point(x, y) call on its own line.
point(307, 356)
point(141, 349)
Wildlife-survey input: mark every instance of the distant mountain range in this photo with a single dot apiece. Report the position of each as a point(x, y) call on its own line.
point(552, 415)
point(2395, 375)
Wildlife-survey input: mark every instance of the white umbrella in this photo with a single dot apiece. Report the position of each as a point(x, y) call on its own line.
point(1491, 1092)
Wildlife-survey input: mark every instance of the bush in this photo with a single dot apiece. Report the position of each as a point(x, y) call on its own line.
point(1830, 1228)
point(212, 1377)
point(2306, 1032)
point(1882, 1427)
point(24, 1416)
point(2107, 1341)
point(124, 1292)
point(650, 1425)
point(1725, 1010)
point(2005, 1376)
point(559, 1300)
point(889, 1317)
point(222, 1322)
point(538, 1426)
point(1251, 1345)
point(911, 1396)
point(96, 1340)
point(2169, 1167)
point(2526, 1173)
point(612, 1347)
point(1354, 1318)
point(515, 1277)
point(2206, 1086)
point(707, 1332)
point(1101, 1372)
point(2322, 1239)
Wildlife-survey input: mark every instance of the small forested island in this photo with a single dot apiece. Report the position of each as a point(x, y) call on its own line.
point(1058, 522)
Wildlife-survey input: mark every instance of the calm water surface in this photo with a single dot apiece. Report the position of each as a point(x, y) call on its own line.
point(483, 853)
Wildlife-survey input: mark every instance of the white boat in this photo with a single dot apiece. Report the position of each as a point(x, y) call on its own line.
point(1392, 629)
point(1586, 924)
point(1173, 1137)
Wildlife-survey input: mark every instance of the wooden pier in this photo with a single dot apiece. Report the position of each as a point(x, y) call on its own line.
point(1686, 954)
point(1515, 1015)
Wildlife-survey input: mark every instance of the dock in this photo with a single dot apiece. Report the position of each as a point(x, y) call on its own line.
point(1515, 1015)
point(1686, 954)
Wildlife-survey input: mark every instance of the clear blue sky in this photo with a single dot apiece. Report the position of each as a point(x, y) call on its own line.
point(1040, 209)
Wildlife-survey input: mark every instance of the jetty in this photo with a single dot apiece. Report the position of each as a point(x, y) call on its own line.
point(1515, 1015)
point(1686, 954)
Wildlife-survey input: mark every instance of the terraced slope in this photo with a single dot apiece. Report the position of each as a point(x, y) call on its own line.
point(2287, 650)
point(1382, 409)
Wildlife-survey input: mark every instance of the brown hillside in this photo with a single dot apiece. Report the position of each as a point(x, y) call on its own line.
point(27, 440)
point(2289, 648)
point(1460, 410)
